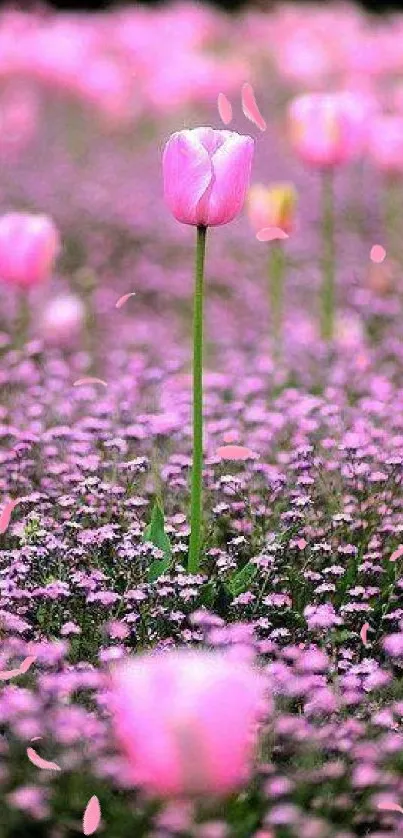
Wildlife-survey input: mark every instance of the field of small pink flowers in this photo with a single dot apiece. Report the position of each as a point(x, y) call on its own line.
point(201, 585)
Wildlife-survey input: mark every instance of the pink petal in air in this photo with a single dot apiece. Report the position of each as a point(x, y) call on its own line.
point(89, 380)
point(7, 674)
point(44, 764)
point(364, 633)
point(27, 663)
point(5, 515)
point(271, 234)
point(92, 816)
point(390, 807)
point(235, 453)
point(377, 254)
point(224, 108)
point(397, 554)
point(250, 107)
point(122, 300)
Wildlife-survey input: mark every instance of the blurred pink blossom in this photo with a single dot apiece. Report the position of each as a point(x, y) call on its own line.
point(187, 720)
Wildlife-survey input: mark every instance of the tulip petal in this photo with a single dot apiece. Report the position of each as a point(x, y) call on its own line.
point(270, 234)
point(250, 108)
point(92, 816)
point(187, 175)
point(232, 164)
point(224, 108)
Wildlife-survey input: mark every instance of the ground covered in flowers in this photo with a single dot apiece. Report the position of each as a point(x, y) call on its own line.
point(302, 560)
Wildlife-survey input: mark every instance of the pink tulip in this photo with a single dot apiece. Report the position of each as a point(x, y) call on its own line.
point(29, 245)
point(272, 206)
point(187, 721)
point(386, 143)
point(327, 129)
point(206, 175)
point(63, 319)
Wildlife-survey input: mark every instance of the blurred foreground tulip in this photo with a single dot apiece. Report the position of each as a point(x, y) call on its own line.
point(187, 721)
point(206, 177)
point(274, 207)
point(63, 320)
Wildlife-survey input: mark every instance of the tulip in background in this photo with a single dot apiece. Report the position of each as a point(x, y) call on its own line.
point(274, 207)
point(187, 721)
point(63, 320)
point(326, 131)
point(386, 152)
point(206, 176)
point(29, 245)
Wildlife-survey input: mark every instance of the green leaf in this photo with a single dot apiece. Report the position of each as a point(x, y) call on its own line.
point(240, 581)
point(155, 533)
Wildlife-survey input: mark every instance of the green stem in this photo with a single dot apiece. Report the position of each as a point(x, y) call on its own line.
point(197, 465)
point(392, 201)
point(277, 265)
point(23, 319)
point(328, 265)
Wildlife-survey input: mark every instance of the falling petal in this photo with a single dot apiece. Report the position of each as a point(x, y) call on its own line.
point(44, 764)
point(6, 515)
point(364, 632)
point(378, 254)
point(122, 300)
point(27, 663)
point(224, 108)
point(250, 107)
point(92, 816)
point(301, 544)
point(270, 234)
point(397, 554)
point(390, 807)
point(235, 452)
point(89, 380)
point(7, 674)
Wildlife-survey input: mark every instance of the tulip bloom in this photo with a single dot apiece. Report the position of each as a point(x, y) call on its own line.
point(206, 176)
point(28, 247)
point(63, 319)
point(386, 143)
point(327, 129)
point(272, 206)
point(386, 152)
point(187, 721)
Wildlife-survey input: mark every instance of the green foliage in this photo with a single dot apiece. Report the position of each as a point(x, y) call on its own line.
point(155, 533)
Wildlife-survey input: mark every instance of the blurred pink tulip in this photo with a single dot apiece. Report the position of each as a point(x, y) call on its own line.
point(386, 143)
point(272, 206)
point(29, 245)
point(327, 129)
point(206, 175)
point(63, 319)
point(187, 721)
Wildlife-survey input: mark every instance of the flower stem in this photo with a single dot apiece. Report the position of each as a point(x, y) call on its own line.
point(276, 289)
point(392, 200)
point(328, 264)
point(197, 465)
point(23, 319)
